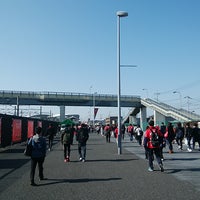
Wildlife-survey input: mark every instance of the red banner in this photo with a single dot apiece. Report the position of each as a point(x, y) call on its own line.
point(17, 130)
point(30, 128)
point(95, 112)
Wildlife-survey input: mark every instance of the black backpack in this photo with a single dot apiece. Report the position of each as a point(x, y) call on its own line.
point(82, 135)
point(154, 138)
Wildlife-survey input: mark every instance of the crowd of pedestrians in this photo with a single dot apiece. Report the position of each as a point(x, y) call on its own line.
point(153, 139)
point(39, 146)
point(170, 136)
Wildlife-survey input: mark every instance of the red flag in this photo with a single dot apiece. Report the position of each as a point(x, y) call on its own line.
point(95, 112)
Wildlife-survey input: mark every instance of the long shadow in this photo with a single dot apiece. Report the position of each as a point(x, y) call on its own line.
point(89, 144)
point(182, 159)
point(13, 151)
point(108, 160)
point(173, 171)
point(13, 164)
point(84, 180)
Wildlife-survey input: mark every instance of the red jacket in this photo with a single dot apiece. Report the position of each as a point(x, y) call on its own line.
point(107, 128)
point(116, 132)
point(147, 137)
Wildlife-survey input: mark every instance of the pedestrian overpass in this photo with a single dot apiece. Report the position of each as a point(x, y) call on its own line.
point(162, 113)
point(161, 110)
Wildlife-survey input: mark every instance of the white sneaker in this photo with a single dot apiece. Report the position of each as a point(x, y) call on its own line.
point(190, 150)
point(150, 169)
point(80, 159)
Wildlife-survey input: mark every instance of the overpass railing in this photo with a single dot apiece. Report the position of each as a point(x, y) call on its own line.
point(174, 111)
point(62, 96)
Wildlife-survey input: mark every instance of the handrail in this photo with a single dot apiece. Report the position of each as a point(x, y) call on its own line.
point(168, 108)
point(20, 93)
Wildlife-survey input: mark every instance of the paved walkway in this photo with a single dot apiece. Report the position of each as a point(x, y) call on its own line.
point(104, 175)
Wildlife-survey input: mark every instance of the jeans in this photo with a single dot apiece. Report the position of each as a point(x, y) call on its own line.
point(180, 142)
point(82, 151)
point(188, 141)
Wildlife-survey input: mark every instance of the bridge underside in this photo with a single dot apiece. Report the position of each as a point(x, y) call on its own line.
point(161, 110)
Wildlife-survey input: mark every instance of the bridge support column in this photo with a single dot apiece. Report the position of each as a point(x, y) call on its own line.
point(62, 113)
point(159, 118)
point(143, 118)
point(132, 119)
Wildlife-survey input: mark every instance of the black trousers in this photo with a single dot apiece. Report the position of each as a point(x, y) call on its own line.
point(108, 135)
point(50, 142)
point(67, 150)
point(34, 162)
point(152, 152)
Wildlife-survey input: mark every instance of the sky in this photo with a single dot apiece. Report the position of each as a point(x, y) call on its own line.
point(71, 46)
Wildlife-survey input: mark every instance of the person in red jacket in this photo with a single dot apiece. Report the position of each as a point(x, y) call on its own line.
point(107, 132)
point(152, 140)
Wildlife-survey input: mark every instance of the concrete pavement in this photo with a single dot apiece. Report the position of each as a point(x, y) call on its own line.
point(104, 175)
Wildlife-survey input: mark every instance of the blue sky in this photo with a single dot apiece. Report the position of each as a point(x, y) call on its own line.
point(71, 46)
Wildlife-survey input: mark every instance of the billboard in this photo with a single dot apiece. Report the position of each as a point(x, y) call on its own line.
point(30, 128)
point(16, 130)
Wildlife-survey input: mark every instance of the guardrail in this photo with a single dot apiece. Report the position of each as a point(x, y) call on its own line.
point(7, 93)
point(170, 110)
point(65, 98)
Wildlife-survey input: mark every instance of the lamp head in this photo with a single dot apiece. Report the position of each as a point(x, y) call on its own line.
point(122, 14)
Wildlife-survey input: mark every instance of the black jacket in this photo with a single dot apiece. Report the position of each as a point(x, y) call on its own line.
point(82, 135)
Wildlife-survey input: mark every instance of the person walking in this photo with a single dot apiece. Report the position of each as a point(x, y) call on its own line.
point(67, 140)
point(38, 143)
point(196, 136)
point(130, 130)
point(82, 137)
point(145, 147)
point(189, 136)
point(179, 132)
point(139, 134)
point(50, 133)
point(163, 131)
point(152, 141)
point(123, 128)
point(170, 136)
point(107, 132)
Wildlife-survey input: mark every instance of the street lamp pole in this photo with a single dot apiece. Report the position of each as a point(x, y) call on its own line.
point(180, 97)
point(147, 93)
point(188, 103)
point(119, 15)
point(94, 94)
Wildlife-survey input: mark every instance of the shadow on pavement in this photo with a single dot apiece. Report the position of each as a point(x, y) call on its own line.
point(12, 164)
point(84, 180)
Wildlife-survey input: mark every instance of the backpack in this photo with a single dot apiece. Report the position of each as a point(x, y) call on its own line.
point(67, 137)
point(130, 129)
point(179, 134)
point(154, 138)
point(82, 135)
point(139, 132)
point(107, 130)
